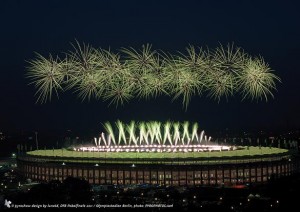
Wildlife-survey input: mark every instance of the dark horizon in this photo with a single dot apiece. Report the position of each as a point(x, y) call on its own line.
point(270, 29)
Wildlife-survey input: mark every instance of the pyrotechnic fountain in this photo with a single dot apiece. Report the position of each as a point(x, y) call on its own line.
point(153, 136)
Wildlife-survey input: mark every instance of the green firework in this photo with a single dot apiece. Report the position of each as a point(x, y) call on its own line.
point(103, 75)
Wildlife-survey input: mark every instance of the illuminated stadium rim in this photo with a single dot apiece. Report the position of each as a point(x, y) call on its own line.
point(155, 148)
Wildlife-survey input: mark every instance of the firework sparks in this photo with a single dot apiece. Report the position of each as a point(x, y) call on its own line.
point(153, 136)
point(146, 73)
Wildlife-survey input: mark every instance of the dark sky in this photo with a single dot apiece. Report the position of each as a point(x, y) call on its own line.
point(267, 28)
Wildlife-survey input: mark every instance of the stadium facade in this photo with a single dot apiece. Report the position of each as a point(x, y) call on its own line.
point(176, 172)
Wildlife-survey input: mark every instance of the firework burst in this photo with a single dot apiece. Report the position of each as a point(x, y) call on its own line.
point(256, 80)
point(46, 75)
point(147, 73)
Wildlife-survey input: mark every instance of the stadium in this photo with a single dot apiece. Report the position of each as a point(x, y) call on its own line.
point(175, 154)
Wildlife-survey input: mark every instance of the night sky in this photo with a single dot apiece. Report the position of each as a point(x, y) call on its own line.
point(267, 28)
